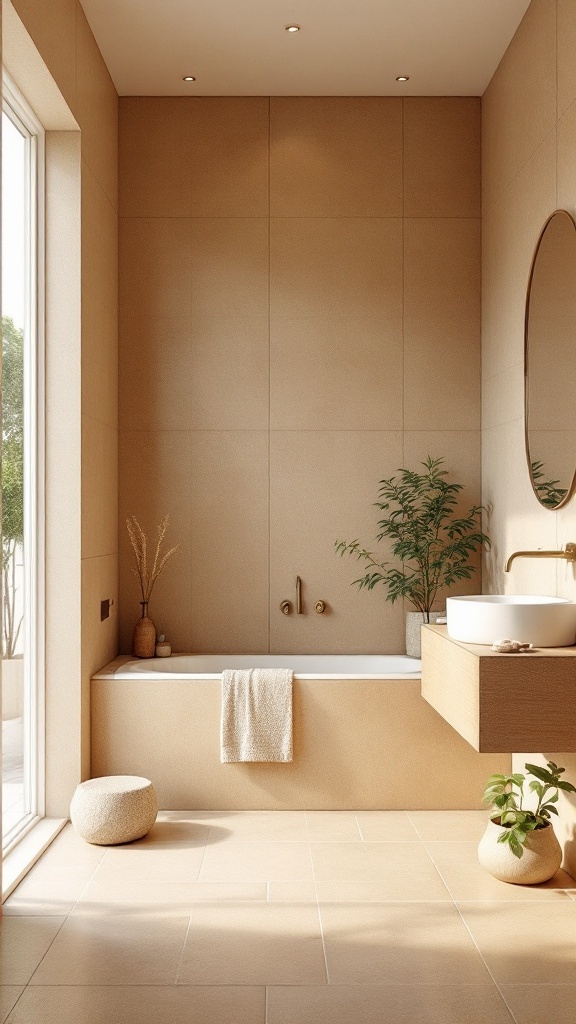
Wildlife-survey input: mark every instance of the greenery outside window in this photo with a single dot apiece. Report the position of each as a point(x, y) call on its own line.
point(22, 467)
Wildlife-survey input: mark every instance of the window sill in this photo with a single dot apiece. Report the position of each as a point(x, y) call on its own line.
point(24, 854)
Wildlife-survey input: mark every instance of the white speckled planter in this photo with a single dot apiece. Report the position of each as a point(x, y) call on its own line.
point(414, 623)
point(540, 861)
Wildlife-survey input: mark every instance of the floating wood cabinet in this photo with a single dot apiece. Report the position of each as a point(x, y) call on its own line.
point(501, 703)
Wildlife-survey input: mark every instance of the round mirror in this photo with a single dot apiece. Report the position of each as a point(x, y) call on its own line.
point(550, 363)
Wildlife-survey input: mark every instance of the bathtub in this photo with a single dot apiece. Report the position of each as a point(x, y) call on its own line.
point(304, 666)
point(364, 737)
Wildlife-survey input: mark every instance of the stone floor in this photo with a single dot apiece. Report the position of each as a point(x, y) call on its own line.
point(287, 917)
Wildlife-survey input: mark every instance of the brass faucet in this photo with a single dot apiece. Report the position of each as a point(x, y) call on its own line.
point(569, 554)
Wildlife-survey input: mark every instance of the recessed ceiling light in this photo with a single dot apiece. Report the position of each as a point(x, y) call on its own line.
point(292, 28)
point(188, 78)
point(403, 78)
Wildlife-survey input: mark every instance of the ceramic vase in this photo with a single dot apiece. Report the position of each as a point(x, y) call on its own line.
point(144, 639)
point(540, 861)
point(414, 623)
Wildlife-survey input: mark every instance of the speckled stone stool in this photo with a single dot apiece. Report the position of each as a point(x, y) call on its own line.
point(113, 809)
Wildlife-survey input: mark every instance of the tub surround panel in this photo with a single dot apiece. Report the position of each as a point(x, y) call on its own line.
point(288, 302)
point(335, 157)
point(441, 156)
point(209, 158)
point(333, 720)
point(307, 471)
point(210, 373)
point(528, 170)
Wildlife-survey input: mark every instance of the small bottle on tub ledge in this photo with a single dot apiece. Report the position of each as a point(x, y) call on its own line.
point(163, 648)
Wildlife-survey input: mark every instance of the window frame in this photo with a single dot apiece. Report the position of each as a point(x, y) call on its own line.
point(15, 106)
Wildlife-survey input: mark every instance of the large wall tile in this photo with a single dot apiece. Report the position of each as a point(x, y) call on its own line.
point(510, 232)
point(442, 324)
point(97, 110)
point(336, 374)
point(229, 168)
point(229, 541)
point(178, 373)
point(566, 29)
point(99, 488)
point(155, 154)
point(566, 170)
point(335, 156)
point(519, 105)
point(155, 482)
point(323, 487)
point(442, 156)
point(99, 302)
point(53, 30)
point(209, 159)
point(155, 266)
point(229, 266)
point(335, 267)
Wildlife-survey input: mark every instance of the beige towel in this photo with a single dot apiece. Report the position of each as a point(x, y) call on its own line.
point(256, 720)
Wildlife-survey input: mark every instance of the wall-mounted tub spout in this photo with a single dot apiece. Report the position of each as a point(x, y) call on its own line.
point(569, 554)
point(298, 596)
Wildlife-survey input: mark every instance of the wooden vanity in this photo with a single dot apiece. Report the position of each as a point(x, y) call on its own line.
point(501, 703)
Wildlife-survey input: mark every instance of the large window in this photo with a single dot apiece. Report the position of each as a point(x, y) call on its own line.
point(22, 467)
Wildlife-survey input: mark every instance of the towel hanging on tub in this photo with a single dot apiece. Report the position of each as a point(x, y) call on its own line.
point(256, 723)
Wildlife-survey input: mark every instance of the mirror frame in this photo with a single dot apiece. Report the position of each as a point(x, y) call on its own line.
point(572, 484)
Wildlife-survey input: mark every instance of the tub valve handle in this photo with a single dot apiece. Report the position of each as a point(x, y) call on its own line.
point(320, 607)
point(286, 607)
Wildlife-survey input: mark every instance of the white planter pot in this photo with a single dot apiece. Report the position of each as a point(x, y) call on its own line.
point(540, 861)
point(414, 623)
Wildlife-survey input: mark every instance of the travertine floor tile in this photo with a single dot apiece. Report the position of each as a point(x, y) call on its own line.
point(287, 826)
point(466, 880)
point(253, 944)
point(403, 871)
point(399, 943)
point(541, 1004)
point(114, 950)
point(23, 943)
point(386, 826)
point(150, 863)
point(8, 997)
point(521, 945)
point(291, 892)
point(256, 861)
point(387, 1004)
point(190, 832)
point(161, 898)
point(332, 826)
point(447, 825)
point(144, 1004)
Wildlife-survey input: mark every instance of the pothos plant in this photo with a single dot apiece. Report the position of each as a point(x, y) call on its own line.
point(506, 794)
point(431, 539)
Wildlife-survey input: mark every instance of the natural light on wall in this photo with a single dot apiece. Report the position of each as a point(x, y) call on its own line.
point(22, 469)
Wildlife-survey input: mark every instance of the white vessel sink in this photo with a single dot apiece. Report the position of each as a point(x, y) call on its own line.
point(484, 618)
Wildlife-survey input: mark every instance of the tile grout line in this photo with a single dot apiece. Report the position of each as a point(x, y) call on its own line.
point(319, 915)
point(497, 986)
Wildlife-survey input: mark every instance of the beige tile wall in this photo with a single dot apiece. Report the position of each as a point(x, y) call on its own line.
point(64, 40)
point(529, 155)
point(300, 314)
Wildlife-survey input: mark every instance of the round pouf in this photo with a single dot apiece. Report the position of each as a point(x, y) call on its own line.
point(113, 809)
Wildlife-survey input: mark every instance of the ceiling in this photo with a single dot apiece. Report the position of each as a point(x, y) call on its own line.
point(344, 48)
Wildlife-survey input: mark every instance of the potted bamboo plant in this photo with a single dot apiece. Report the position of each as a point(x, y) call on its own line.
point(430, 538)
point(519, 844)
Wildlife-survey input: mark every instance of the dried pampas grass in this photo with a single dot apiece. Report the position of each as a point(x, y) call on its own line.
point(139, 544)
